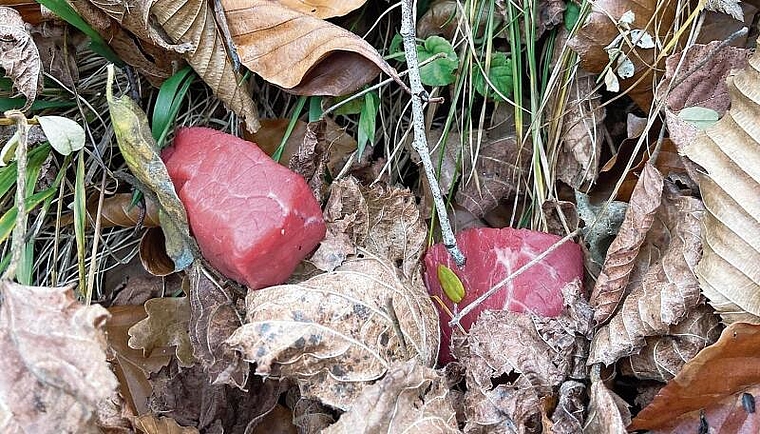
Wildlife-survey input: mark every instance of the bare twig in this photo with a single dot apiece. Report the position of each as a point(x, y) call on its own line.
point(408, 13)
point(467, 309)
point(19, 232)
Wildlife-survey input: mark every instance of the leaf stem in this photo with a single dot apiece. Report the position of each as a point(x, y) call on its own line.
point(419, 143)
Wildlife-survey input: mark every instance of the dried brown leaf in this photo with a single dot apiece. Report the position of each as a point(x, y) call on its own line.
point(664, 356)
point(119, 211)
point(662, 289)
point(323, 8)
point(599, 30)
point(153, 424)
point(19, 56)
point(497, 168)
point(213, 318)
point(729, 152)
point(561, 217)
point(153, 254)
point(192, 31)
point(722, 370)
point(383, 220)
point(131, 367)
point(338, 331)
point(57, 50)
point(277, 421)
point(165, 326)
point(621, 256)
point(310, 160)
point(410, 398)
point(301, 53)
point(569, 415)
point(311, 417)
point(607, 412)
point(53, 372)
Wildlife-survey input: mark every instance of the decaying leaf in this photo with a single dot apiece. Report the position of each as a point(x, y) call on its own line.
point(543, 351)
point(153, 424)
point(604, 25)
point(410, 398)
point(664, 356)
point(311, 417)
point(165, 326)
point(213, 318)
point(310, 160)
point(730, 7)
point(662, 288)
point(729, 152)
point(299, 52)
point(383, 220)
point(607, 412)
point(192, 31)
point(19, 56)
point(569, 415)
point(621, 256)
point(139, 151)
point(338, 331)
point(53, 372)
point(601, 225)
point(724, 369)
point(131, 366)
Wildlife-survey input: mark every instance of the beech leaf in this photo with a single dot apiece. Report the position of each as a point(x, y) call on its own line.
point(53, 372)
point(323, 8)
point(19, 56)
point(729, 152)
point(299, 52)
point(338, 332)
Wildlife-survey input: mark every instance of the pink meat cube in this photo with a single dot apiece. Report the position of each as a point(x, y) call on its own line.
point(253, 218)
point(494, 254)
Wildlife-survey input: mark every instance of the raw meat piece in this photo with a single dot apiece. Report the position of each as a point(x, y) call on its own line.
point(253, 218)
point(494, 254)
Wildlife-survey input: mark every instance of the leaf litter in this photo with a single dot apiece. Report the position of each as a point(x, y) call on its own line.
point(350, 344)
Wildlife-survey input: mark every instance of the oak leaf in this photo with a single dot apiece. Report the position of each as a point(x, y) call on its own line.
point(166, 325)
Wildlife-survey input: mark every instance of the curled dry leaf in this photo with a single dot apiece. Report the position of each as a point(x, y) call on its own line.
point(622, 253)
point(729, 152)
point(607, 412)
point(299, 52)
point(190, 25)
point(120, 211)
point(410, 398)
point(662, 288)
point(599, 30)
point(569, 415)
point(19, 56)
point(153, 424)
point(213, 318)
point(722, 370)
point(338, 331)
point(165, 326)
point(664, 356)
point(383, 220)
point(153, 254)
point(53, 372)
point(131, 366)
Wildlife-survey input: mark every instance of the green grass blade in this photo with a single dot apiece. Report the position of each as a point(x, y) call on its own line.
point(8, 173)
point(169, 101)
point(17, 103)
point(80, 220)
point(291, 125)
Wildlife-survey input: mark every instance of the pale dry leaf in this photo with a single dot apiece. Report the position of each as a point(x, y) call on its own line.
point(410, 398)
point(299, 52)
point(165, 326)
point(504, 409)
point(621, 256)
point(729, 152)
point(662, 289)
point(192, 31)
point(664, 356)
point(53, 372)
point(311, 417)
point(607, 412)
point(323, 8)
point(310, 160)
point(568, 417)
point(19, 56)
point(721, 370)
point(498, 166)
point(383, 220)
point(729, 7)
point(154, 424)
point(338, 331)
point(213, 318)
point(57, 48)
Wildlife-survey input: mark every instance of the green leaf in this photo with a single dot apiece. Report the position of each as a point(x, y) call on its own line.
point(439, 72)
point(8, 173)
point(315, 108)
point(289, 130)
point(572, 14)
point(16, 103)
point(352, 107)
point(452, 286)
point(701, 117)
point(397, 47)
point(169, 101)
point(139, 150)
point(500, 76)
point(65, 135)
point(80, 223)
point(367, 119)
